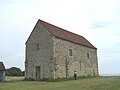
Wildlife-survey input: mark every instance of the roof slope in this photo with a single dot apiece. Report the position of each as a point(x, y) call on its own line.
point(2, 67)
point(64, 34)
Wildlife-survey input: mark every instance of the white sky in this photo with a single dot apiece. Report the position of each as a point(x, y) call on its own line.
point(96, 20)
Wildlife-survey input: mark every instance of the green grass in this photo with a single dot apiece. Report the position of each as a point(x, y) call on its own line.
point(96, 83)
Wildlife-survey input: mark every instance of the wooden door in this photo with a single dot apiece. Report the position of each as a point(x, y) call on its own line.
point(38, 74)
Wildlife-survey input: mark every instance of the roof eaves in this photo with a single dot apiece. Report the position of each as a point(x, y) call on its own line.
point(75, 42)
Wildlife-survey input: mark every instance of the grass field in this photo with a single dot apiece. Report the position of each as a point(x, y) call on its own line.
point(96, 83)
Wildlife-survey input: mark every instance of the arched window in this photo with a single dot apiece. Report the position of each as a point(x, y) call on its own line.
point(88, 56)
point(38, 47)
point(70, 52)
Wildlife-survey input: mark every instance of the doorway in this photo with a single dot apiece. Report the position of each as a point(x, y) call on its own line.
point(38, 72)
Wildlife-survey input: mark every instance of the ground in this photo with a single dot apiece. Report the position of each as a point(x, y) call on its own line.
point(96, 83)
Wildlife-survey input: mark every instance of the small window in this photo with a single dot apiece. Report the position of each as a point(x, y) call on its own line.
point(38, 47)
point(88, 56)
point(70, 52)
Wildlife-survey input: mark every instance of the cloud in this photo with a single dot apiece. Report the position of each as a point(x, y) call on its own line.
point(101, 24)
point(96, 20)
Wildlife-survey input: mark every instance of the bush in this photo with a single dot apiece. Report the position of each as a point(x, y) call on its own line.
point(14, 71)
point(28, 79)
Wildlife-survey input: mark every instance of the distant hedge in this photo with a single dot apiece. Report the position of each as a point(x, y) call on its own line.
point(14, 71)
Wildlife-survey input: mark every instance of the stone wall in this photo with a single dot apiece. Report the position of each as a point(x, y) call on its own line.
point(51, 54)
point(41, 38)
point(66, 65)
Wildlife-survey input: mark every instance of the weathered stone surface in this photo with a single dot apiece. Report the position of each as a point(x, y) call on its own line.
point(53, 57)
point(42, 57)
point(77, 62)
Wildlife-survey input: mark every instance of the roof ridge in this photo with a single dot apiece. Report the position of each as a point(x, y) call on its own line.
point(65, 34)
point(61, 28)
point(60, 32)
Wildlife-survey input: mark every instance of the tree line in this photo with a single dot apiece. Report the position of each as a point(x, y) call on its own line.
point(14, 71)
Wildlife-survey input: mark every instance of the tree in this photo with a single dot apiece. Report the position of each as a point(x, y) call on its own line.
point(14, 71)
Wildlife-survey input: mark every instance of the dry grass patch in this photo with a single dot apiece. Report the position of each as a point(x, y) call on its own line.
point(14, 78)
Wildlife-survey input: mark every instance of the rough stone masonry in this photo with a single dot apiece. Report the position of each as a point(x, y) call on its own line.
point(52, 52)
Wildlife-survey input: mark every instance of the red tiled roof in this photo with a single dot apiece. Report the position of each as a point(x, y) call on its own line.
point(64, 34)
point(2, 67)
